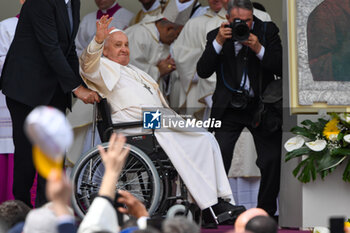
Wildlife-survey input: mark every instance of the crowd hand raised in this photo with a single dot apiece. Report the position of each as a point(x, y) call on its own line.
point(253, 43)
point(86, 95)
point(114, 158)
point(134, 206)
point(166, 66)
point(224, 33)
point(102, 30)
point(59, 192)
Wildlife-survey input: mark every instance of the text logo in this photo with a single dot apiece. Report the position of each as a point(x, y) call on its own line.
point(151, 120)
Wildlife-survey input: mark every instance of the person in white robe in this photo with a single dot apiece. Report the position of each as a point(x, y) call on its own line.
point(87, 28)
point(7, 32)
point(149, 47)
point(180, 11)
point(194, 153)
point(81, 115)
point(149, 7)
point(187, 49)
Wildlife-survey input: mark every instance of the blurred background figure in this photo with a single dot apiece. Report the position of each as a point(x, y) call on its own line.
point(87, 28)
point(149, 44)
point(180, 11)
point(7, 32)
point(13, 214)
point(179, 224)
point(187, 49)
point(149, 7)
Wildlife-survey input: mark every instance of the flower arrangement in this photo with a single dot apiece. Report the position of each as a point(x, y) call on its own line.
point(322, 145)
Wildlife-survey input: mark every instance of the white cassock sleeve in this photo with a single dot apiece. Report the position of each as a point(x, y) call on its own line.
point(101, 217)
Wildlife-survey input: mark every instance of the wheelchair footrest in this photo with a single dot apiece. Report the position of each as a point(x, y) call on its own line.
point(223, 217)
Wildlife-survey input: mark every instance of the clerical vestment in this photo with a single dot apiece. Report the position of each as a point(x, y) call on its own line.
point(187, 50)
point(180, 13)
point(156, 9)
point(146, 50)
point(194, 153)
point(87, 27)
point(81, 115)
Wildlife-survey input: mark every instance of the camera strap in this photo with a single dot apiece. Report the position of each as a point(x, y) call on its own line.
point(244, 75)
point(261, 70)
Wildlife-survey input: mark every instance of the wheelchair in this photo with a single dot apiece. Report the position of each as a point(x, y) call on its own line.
point(148, 173)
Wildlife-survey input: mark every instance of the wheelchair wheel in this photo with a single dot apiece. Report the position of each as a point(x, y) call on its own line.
point(180, 210)
point(139, 176)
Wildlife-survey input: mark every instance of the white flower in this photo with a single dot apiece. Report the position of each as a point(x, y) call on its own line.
point(347, 138)
point(345, 117)
point(317, 145)
point(333, 137)
point(294, 143)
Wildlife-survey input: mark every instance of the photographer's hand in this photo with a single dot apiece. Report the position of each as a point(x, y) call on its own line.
point(224, 33)
point(253, 43)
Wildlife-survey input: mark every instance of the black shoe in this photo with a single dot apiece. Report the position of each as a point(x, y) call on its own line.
point(208, 221)
point(227, 210)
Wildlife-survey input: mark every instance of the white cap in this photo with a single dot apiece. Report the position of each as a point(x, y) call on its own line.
point(49, 129)
point(116, 30)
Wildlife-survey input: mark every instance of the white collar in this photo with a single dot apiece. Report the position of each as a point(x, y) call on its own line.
point(105, 11)
point(155, 5)
point(66, 1)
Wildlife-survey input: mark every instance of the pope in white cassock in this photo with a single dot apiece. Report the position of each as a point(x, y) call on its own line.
point(195, 154)
point(80, 116)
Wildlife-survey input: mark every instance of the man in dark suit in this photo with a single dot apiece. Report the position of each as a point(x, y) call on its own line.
point(41, 68)
point(238, 89)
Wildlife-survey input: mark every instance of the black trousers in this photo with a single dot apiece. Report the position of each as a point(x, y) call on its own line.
point(24, 170)
point(268, 147)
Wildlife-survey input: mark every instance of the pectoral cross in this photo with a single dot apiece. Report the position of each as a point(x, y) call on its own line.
point(148, 88)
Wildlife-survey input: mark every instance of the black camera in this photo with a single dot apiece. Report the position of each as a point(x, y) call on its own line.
point(240, 99)
point(240, 30)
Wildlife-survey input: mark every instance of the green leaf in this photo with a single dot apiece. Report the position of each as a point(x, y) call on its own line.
point(328, 161)
point(303, 132)
point(346, 174)
point(307, 172)
point(297, 169)
point(340, 136)
point(322, 121)
point(324, 173)
point(340, 151)
point(314, 127)
point(297, 153)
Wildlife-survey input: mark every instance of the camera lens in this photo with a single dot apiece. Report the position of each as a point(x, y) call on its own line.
point(240, 30)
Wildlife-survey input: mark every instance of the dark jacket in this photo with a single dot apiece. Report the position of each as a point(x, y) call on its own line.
point(211, 62)
point(42, 55)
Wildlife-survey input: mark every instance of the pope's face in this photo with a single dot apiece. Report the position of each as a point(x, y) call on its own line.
point(215, 5)
point(104, 4)
point(117, 48)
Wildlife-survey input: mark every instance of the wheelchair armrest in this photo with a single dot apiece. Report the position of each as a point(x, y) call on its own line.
point(128, 125)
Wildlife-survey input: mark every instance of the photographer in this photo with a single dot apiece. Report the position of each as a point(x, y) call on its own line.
point(246, 54)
